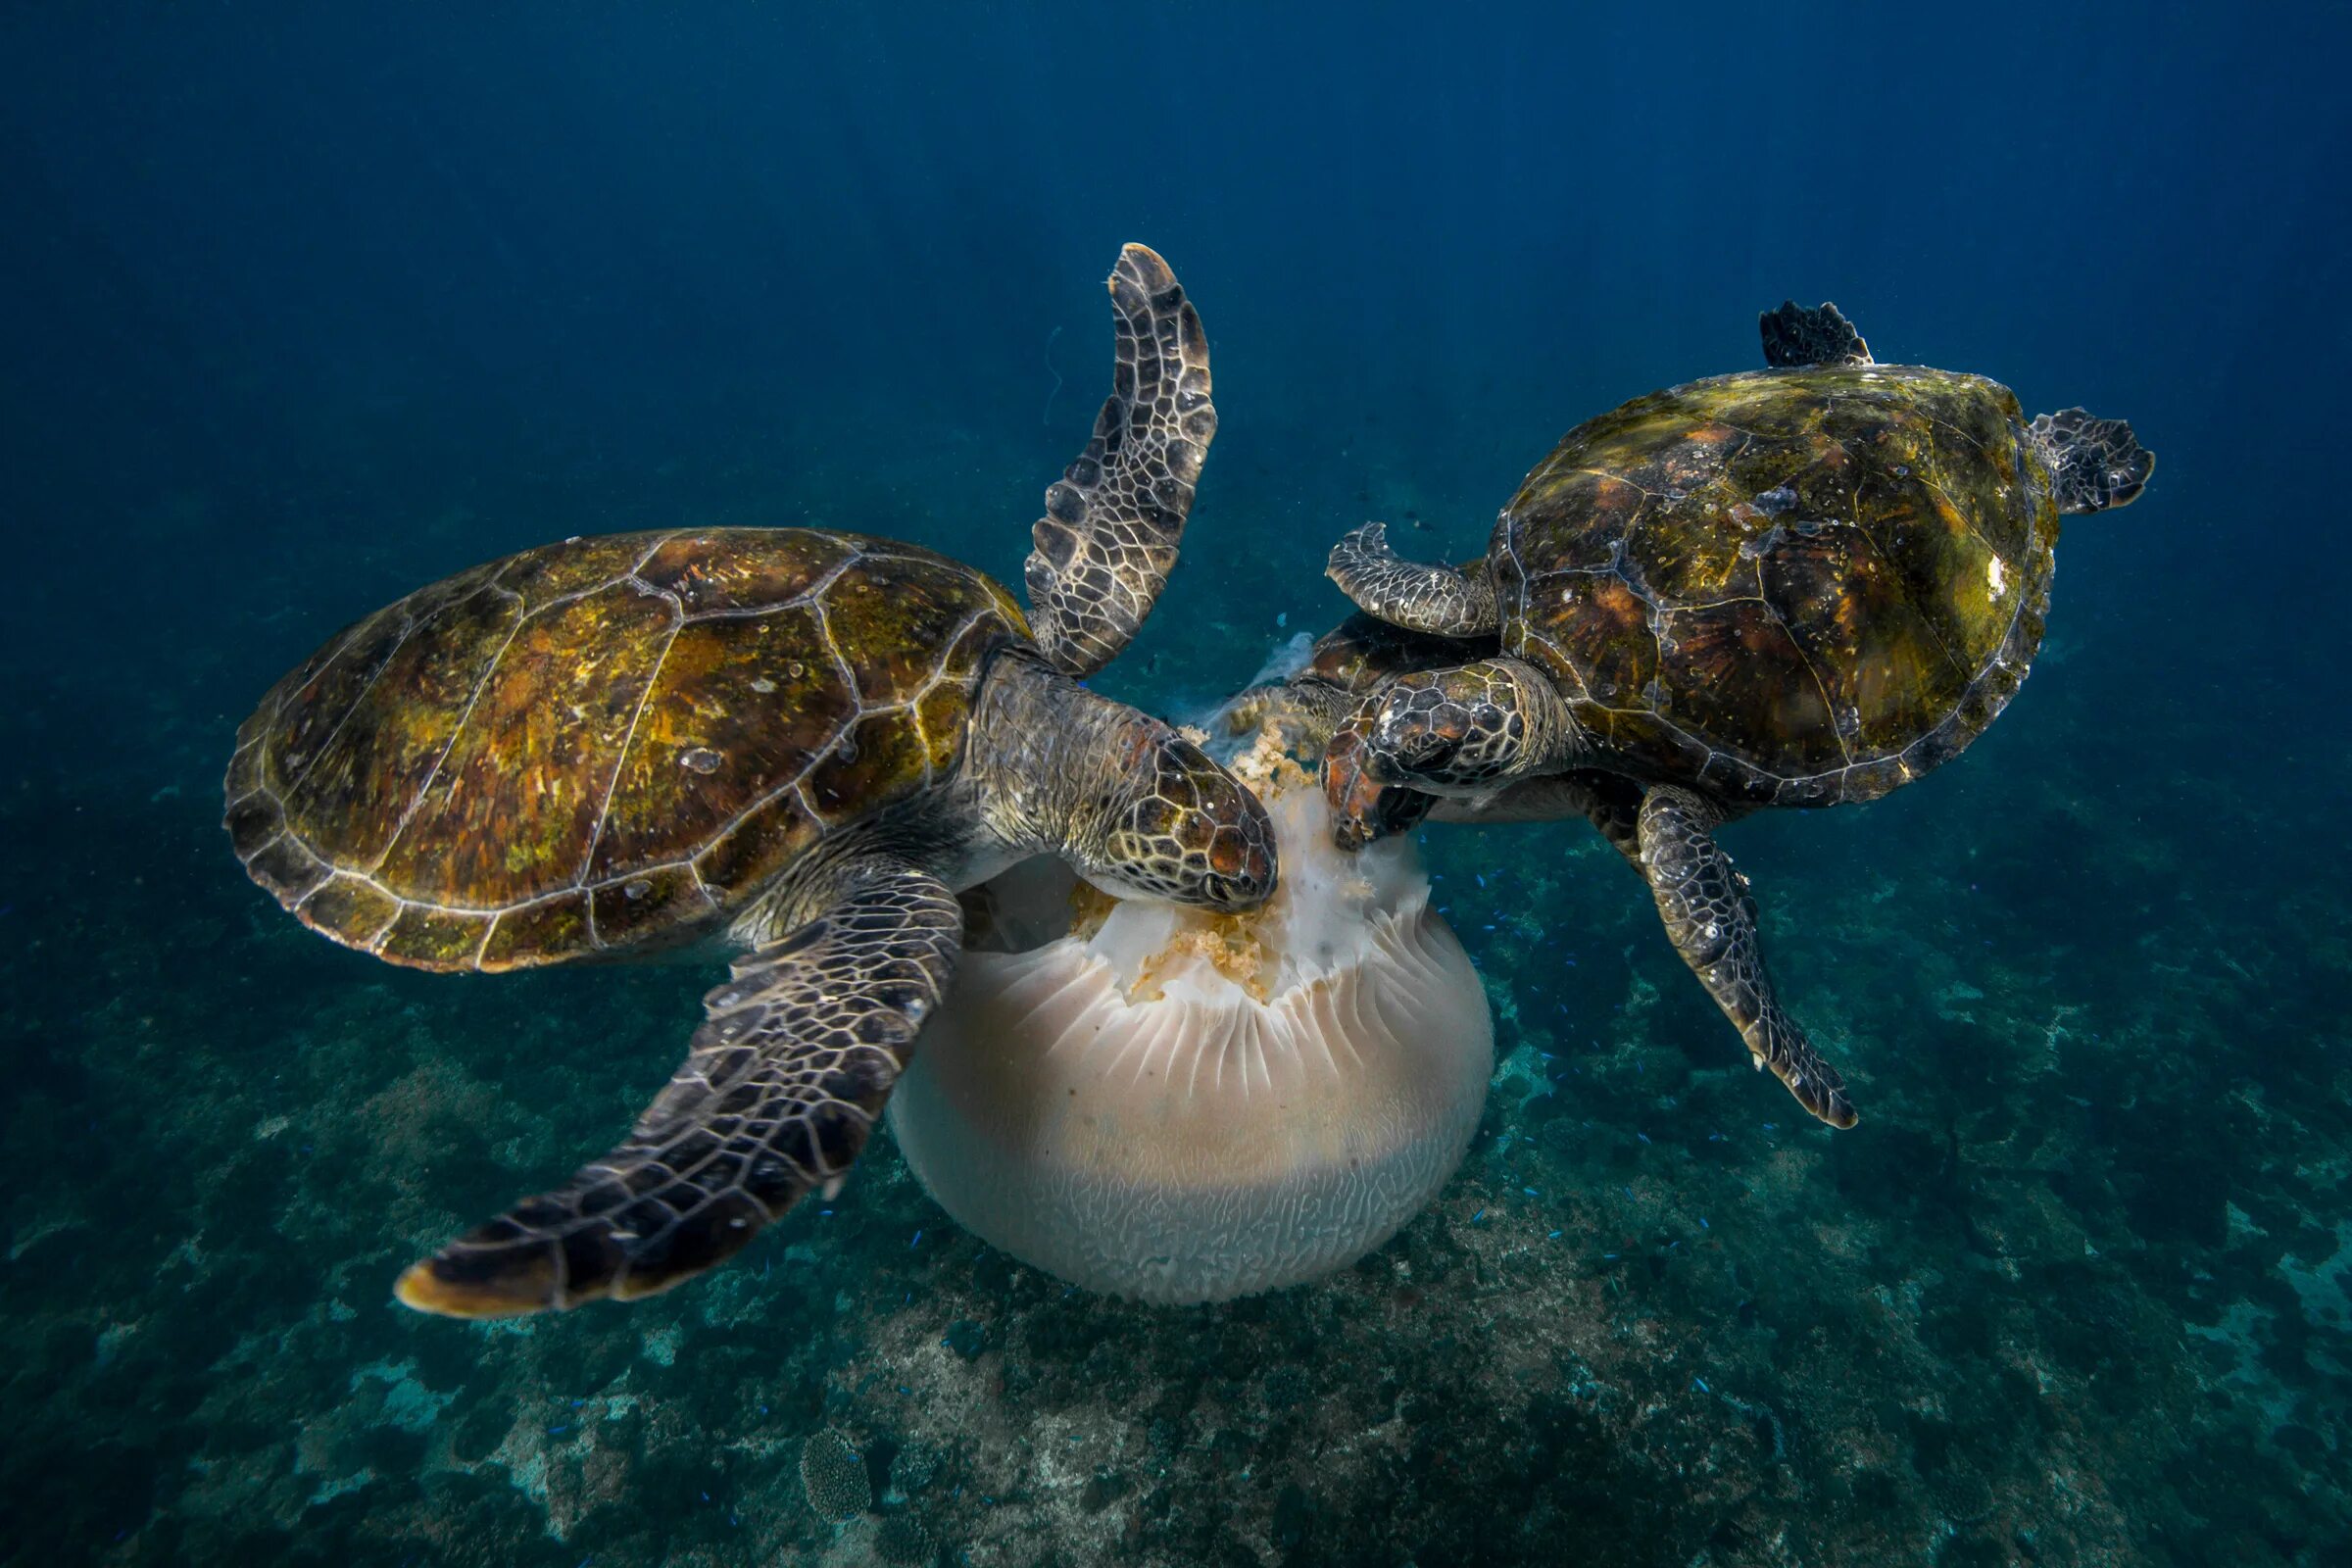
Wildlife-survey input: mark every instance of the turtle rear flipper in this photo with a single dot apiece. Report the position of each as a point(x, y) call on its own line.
point(784, 1080)
point(1410, 594)
point(1113, 522)
point(1795, 335)
point(2094, 463)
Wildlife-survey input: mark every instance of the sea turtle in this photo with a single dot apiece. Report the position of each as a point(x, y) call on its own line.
point(793, 744)
point(1797, 586)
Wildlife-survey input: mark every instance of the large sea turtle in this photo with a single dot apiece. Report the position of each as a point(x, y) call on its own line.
point(793, 744)
point(1797, 586)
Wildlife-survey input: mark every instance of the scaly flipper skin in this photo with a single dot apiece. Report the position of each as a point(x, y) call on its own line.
point(1463, 731)
point(1437, 599)
point(1795, 335)
point(2095, 463)
point(782, 1084)
point(1113, 522)
point(1712, 923)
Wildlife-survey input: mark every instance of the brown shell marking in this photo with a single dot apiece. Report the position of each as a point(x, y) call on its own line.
point(605, 742)
point(1795, 587)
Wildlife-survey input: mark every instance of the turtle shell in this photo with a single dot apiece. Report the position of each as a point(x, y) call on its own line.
point(1787, 587)
point(605, 743)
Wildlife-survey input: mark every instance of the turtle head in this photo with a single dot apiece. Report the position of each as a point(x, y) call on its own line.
point(1133, 804)
point(1173, 824)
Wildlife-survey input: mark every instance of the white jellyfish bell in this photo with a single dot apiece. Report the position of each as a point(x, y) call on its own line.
point(1181, 1105)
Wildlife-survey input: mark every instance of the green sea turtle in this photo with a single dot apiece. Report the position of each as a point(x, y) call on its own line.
point(792, 743)
point(1797, 586)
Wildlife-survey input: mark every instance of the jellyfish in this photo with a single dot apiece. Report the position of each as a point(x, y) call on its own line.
point(1179, 1106)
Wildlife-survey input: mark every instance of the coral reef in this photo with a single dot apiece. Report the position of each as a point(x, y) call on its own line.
point(2071, 1293)
point(833, 1476)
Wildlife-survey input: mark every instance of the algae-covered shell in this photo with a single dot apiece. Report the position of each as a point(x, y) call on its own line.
point(1791, 587)
point(608, 742)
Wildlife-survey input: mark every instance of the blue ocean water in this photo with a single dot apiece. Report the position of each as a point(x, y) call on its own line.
point(301, 310)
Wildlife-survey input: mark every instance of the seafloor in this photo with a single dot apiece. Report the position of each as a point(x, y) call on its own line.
point(2072, 1294)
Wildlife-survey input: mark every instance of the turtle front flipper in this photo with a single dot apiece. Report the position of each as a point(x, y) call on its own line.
point(783, 1082)
point(1712, 923)
point(1437, 599)
point(1795, 335)
point(1113, 522)
point(2094, 463)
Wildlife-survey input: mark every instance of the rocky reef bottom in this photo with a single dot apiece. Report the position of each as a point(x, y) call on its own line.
point(2074, 1292)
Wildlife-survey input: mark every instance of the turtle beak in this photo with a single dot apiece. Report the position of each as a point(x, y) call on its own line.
point(1241, 866)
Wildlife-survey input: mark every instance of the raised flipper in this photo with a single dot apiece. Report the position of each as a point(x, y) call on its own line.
point(1113, 522)
point(1712, 925)
point(783, 1082)
point(2094, 463)
point(1407, 593)
point(1795, 335)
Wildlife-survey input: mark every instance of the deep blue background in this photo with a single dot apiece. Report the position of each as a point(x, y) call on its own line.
point(295, 286)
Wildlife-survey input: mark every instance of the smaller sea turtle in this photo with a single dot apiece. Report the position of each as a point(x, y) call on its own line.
point(1797, 586)
point(794, 744)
